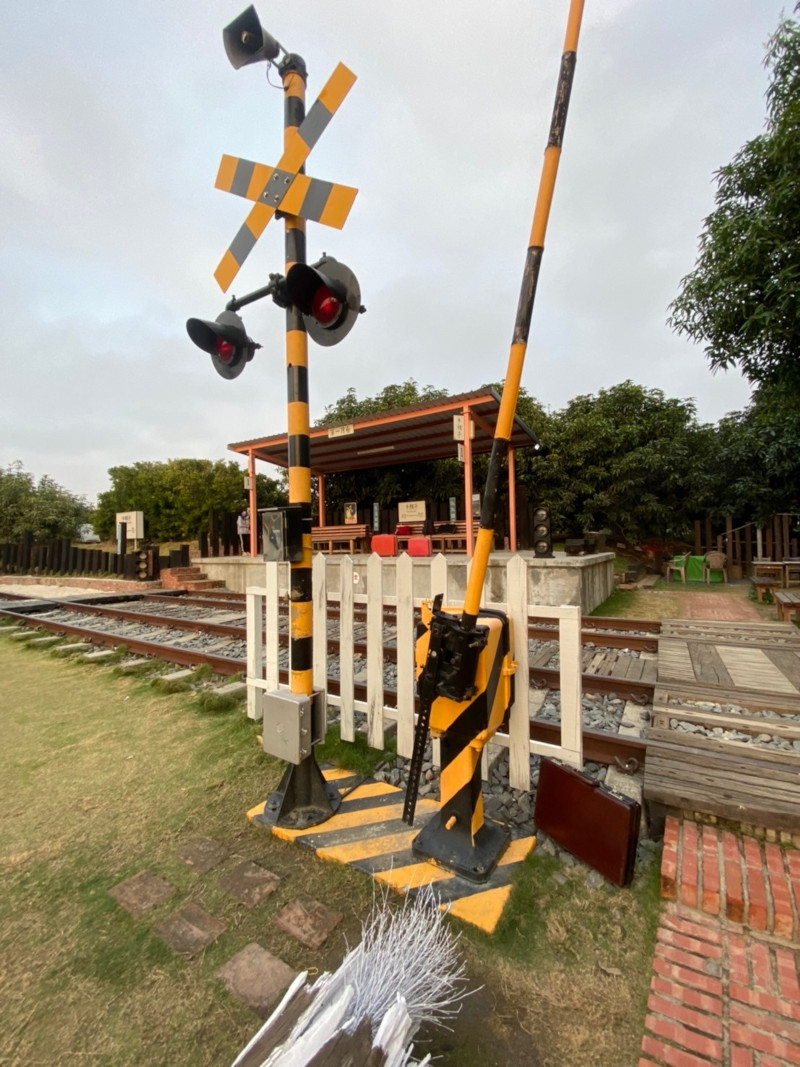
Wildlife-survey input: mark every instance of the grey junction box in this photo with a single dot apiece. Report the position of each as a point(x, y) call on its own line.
point(293, 722)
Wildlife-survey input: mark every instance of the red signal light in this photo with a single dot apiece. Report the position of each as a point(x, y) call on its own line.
point(225, 350)
point(325, 306)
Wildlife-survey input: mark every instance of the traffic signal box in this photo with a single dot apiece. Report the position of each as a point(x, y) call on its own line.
point(466, 686)
point(542, 538)
point(226, 341)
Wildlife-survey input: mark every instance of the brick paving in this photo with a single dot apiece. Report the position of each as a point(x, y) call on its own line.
point(725, 986)
point(720, 607)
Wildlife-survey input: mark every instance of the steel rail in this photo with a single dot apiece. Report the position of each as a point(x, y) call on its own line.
point(172, 653)
point(541, 677)
point(601, 746)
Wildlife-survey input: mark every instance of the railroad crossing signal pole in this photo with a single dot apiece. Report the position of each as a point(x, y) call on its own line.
point(324, 300)
point(302, 798)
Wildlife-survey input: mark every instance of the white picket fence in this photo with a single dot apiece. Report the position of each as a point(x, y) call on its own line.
point(263, 655)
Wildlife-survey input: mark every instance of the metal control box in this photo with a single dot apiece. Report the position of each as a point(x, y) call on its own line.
point(282, 534)
point(293, 722)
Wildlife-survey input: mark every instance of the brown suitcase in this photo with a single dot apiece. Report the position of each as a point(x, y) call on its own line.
point(597, 826)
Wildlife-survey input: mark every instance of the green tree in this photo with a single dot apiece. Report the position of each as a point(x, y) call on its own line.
point(386, 485)
point(349, 407)
point(629, 460)
point(757, 462)
point(741, 299)
point(177, 495)
point(42, 509)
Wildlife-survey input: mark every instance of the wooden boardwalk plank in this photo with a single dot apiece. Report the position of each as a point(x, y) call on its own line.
point(674, 662)
point(787, 662)
point(751, 668)
point(708, 665)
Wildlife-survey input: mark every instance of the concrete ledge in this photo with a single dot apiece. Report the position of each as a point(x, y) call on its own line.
point(583, 581)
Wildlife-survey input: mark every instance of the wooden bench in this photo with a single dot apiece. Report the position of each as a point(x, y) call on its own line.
point(765, 584)
point(788, 604)
point(454, 541)
point(351, 538)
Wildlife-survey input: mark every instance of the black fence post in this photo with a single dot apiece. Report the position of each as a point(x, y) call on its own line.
point(213, 532)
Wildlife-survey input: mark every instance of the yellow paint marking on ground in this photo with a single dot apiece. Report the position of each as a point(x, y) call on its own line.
point(257, 810)
point(517, 850)
point(350, 819)
point(370, 846)
point(372, 789)
point(413, 876)
point(333, 774)
point(481, 909)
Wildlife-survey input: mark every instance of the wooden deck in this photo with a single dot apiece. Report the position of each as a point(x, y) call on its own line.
point(703, 669)
point(755, 657)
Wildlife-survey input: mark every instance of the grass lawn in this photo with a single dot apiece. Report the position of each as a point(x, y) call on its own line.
point(670, 600)
point(104, 777)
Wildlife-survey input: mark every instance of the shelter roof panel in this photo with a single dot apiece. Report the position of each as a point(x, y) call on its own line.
point(416, 433)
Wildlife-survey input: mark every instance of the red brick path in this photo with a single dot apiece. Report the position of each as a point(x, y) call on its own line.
point(725, 986)
point(720, 607)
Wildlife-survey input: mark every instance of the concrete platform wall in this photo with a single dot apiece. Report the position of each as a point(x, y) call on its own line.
point(581, 581)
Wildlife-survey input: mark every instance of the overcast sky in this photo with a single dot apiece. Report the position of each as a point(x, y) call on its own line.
point(114, 114)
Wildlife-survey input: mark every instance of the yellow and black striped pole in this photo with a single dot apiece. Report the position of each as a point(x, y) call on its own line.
point(519, 343)
point(466, 665)
point(293, 72)
point(303, 797)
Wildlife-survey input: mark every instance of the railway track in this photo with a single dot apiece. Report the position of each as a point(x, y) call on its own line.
point(209, 628)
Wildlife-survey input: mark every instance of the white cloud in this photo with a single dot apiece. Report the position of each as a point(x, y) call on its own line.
point(112, 228)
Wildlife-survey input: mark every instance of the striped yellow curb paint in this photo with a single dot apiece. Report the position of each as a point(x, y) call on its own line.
point(367, 833)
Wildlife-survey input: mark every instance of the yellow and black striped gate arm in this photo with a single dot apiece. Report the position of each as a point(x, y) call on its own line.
point(519, 343)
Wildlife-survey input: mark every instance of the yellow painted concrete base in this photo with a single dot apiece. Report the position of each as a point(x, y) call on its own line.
point(368, 833)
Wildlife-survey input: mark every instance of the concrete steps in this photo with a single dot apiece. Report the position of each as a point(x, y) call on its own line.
point(188, 578)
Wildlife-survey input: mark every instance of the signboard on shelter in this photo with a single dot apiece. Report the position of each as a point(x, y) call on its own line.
point(411, 511)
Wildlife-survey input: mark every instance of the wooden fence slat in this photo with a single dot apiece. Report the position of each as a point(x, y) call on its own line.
point(255, 652)
point(346, 694)
point(519, 773)
point(319, 621)
point(375, 651)
point(439, 577)
point(272, 626)
point(405, 656)
point(569, 639)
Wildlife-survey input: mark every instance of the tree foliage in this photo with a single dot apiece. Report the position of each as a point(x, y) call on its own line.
point(42, 509)
point(391, 397)
point(177, 495)
point(629, 460)
point(741, 299)
point(758, 460)
point(386, 485)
